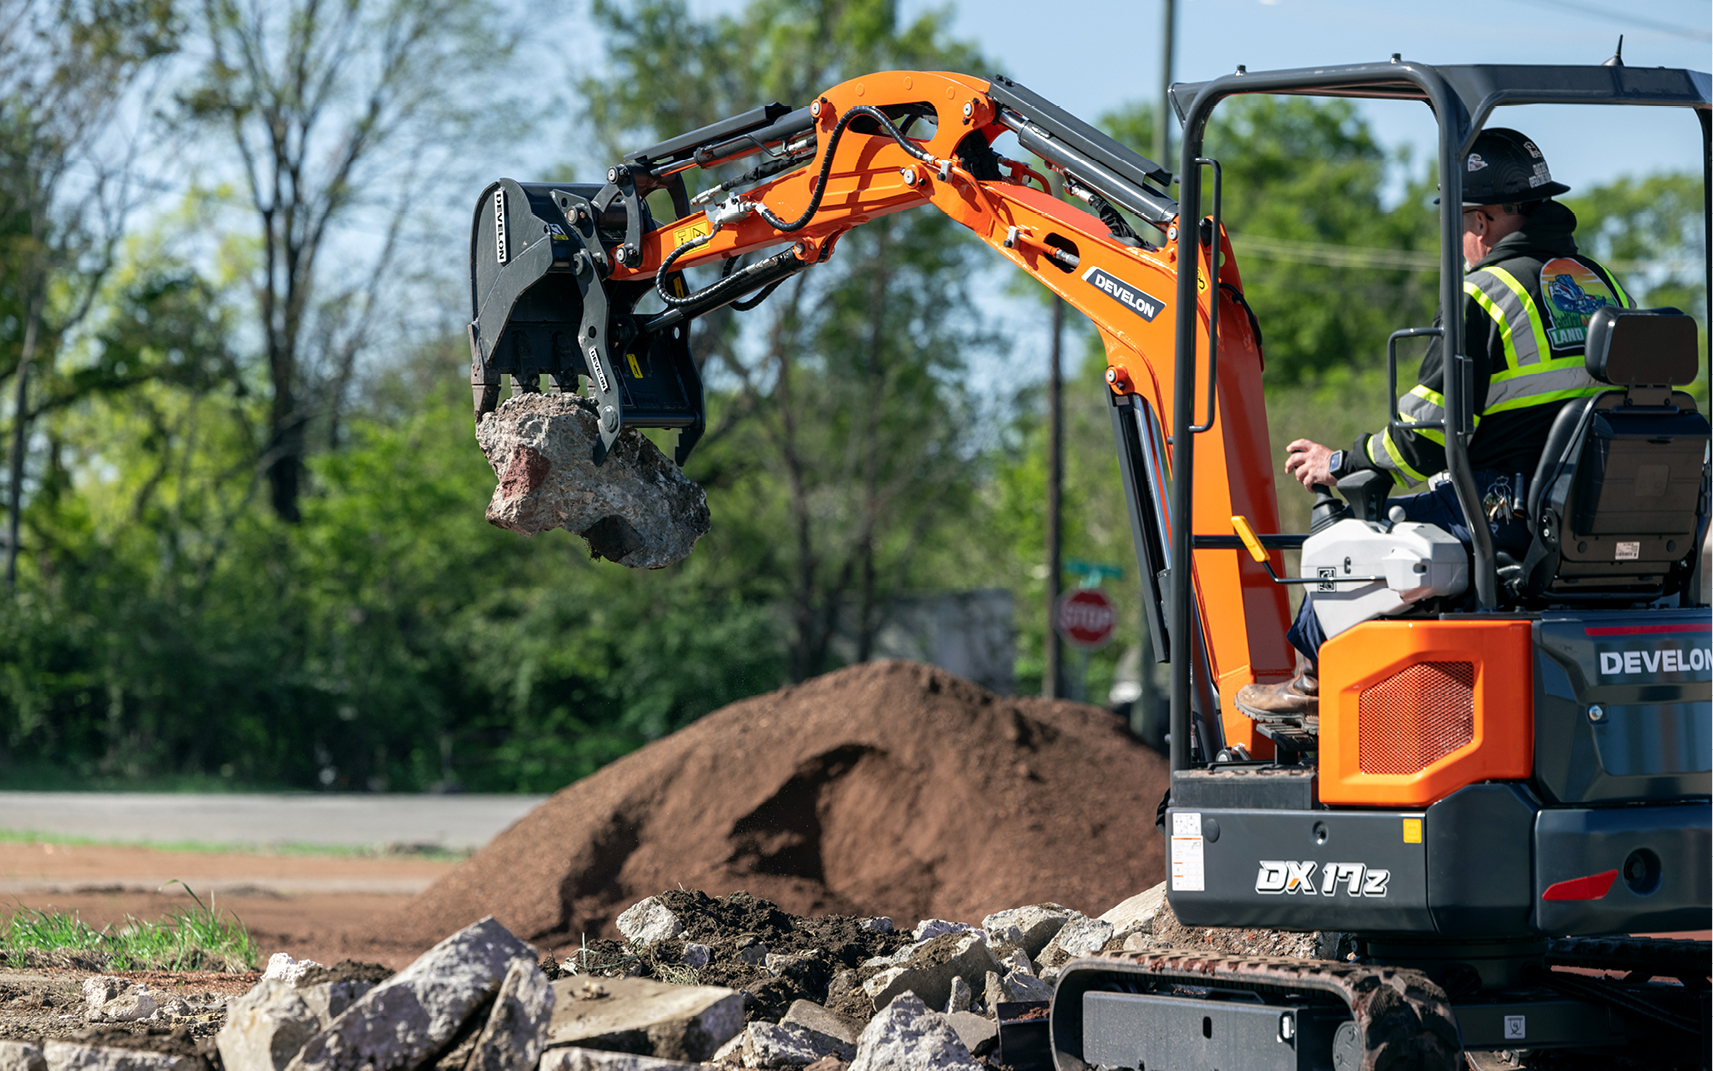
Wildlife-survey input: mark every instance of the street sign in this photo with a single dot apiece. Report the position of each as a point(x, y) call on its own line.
point(1085, 618)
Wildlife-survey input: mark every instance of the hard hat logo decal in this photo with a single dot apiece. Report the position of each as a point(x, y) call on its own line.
point(1475, 162)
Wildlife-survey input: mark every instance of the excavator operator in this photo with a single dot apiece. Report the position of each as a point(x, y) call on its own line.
point(1528, 297)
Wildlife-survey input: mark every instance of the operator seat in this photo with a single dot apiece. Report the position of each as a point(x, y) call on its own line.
point(1618, 506)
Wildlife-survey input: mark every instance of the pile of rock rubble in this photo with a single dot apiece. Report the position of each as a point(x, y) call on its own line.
point(731, 982)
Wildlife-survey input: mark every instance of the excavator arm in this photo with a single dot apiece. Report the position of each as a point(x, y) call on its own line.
point(558, 274)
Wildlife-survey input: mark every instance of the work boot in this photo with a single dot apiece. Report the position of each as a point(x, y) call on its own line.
point(1292, 700)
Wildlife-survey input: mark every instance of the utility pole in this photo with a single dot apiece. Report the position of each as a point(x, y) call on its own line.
point(1053, 674)
point(1162, 119)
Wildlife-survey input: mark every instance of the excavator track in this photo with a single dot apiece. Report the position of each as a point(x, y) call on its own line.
point(1369, 1018)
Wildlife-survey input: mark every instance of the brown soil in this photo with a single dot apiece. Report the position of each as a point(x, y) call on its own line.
point(313, 907)
point(889, 788)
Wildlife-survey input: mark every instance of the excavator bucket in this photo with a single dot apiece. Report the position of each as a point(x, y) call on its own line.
point(542, 307)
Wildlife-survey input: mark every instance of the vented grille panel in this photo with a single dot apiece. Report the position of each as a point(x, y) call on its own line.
point(1413, 718)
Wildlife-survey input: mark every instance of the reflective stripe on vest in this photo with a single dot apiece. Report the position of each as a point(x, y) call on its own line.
point(1531, 376)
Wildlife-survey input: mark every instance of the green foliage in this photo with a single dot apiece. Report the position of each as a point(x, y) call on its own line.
point(1311, 171)
point(188, 939)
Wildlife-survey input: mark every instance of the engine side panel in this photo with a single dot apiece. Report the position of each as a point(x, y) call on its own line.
point(1622, 709)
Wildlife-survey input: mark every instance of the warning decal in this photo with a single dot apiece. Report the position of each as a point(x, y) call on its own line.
point(1188, 871)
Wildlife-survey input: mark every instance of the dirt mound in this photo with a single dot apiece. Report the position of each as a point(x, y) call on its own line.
point(889, 788)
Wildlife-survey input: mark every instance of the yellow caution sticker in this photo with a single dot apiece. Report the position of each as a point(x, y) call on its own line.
point(691, 231)
point(1412, 831)
point(636, 373)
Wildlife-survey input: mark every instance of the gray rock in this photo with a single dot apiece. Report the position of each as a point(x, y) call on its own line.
point(21, 1056)
point(961, 996)
point(906, 1036)
point(1081, 936)
point(729, 1053)
point(636, 508)
point(876, 925)
point(978, 1033)
point(1017, 960)
point(575, 1059)
point(268, 1025)
point(108, 999)
point(286, 969)
point(775, 1045)
point(640, 1015)
point(753, 953)
point(1036, 924)
point(835, 1030)
point(415, 1013)
point(993, 993)
point(928, 929)
point(931, 967)
point(648, 921)
point(1135, 915)
point(1025, 986)
point(696, 955)
point(77, 1056)
point(516, 1028)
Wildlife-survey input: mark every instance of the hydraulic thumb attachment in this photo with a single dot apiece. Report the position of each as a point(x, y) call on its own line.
point(560, 273)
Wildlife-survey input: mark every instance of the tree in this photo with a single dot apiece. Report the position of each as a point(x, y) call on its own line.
point(335, 111)
point(65, 68)
point(843, 415)
point(1311, 172)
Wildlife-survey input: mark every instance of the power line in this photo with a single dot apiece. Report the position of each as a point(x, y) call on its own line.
point(1349, 256)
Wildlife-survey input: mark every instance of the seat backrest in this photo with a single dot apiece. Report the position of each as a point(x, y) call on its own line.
point(1618, 504)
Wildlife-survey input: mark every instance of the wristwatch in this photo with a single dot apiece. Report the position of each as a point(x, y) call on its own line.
point(1335, 463)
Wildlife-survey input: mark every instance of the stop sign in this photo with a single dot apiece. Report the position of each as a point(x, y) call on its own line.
point(1086, 619)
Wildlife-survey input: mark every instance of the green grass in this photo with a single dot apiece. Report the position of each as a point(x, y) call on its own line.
point(188, 939)
point(433, 854)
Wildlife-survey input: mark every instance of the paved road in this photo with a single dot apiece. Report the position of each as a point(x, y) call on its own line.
point(455, 823)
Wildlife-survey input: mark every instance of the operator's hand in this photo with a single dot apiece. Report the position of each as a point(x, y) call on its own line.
point(1309, 463)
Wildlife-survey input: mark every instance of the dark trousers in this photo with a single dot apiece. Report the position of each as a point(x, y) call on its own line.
point(1438, 507)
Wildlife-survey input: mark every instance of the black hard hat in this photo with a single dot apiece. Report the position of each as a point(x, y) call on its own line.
point(1504, 167)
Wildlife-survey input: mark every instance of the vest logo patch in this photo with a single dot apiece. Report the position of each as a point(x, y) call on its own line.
point(1573, 294)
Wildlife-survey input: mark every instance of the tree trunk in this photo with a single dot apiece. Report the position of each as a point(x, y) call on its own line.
point(20, 438)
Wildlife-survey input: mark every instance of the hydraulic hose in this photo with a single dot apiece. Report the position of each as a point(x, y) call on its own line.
point(736, 280)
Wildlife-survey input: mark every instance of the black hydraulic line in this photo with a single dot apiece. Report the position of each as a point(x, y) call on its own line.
point(675, 302)
point(827, 165)
point(746, 304)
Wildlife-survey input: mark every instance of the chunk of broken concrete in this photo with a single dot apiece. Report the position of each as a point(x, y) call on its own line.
point(286, 969)
point(835, 1033)
point(906, 1036)
point(83, 1056)
point(645, 1017)
point(516, 1029)
point(961, 996)
point(414, 1014)
point(775, 1045)
point(648, 921)
point(577, 1059)
point(928, 929)
point(1135, 915)
point(1081, 936)
point(1025, 986)
point(879, 924)
point(931, 967)
point(21, 1056)
point(271, 1023)
point(978, 1033)
point(108, 999)
point(636, 508)
point(1037, 923)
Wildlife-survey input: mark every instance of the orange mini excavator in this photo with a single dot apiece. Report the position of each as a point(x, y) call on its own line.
point(1510, 771)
